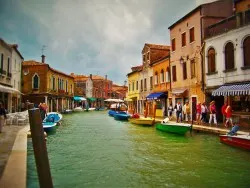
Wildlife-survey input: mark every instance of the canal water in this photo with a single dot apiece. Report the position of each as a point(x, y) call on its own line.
point(91, 149)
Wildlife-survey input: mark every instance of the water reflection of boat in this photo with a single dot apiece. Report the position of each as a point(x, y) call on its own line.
point(173, 127)
point(142, 121)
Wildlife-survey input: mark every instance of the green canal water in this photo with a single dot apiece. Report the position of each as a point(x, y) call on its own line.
point(92, 149)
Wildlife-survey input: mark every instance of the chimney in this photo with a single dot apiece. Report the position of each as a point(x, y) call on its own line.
point(43, 58)
point(106, 77)
point(90, 76)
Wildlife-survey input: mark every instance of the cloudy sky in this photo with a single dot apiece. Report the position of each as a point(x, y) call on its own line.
point(90, 37)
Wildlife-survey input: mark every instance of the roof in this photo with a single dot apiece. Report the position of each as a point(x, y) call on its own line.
point(137, 68)
point(15, 46)
point(35, 63)
point(158, 60)
point(79, 77)
point(158, 46)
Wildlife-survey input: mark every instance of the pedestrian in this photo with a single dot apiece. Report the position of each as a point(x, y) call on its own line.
point(204, 111)
point(43, 110)
point(188, 112)
point(212, 110)
point(2, 116)
point(223, 111)
point(228, 112)
point(198, 113)
point(184, 112)
point(170, 111)
point(178, 109)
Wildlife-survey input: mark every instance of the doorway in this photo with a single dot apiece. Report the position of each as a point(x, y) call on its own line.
point(194, 103)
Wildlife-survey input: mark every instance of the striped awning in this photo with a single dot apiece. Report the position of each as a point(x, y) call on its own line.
point(232, 90)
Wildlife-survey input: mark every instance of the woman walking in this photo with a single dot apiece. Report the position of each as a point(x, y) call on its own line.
point(212, 109)
point(2, 116)
point(198, 113)
point(204, 111)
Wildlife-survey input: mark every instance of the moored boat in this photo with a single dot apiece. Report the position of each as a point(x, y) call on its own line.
point(123, 116)
point(67, 111)
point(142, 121)
point(53, 117)
point(240, 141)
point(173, 127)
point(78, 109)
point(49, 126)
point(111, 113)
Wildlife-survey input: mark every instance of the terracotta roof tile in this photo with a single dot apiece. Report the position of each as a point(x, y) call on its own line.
point(158, 46)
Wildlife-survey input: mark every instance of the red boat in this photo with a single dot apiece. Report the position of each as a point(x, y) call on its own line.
point(240, 141)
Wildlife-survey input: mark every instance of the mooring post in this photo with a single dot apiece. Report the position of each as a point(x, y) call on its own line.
point(39, 146)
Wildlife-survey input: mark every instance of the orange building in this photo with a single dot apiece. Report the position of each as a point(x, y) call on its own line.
point(187, 64)
point(43, 84)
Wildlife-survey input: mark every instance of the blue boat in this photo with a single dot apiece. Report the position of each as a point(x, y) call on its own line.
point(112, 113)
point(123, 116)
point(49, 126)
point(53, 117)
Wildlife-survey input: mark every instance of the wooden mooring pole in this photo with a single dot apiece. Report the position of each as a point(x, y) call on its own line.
point(39, 146)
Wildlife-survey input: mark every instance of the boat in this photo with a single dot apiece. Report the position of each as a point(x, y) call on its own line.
point(142, 121)
point(53, 117)
point(89, 109)
point(78, 109)
point(123, 116)
point(67, 111)
point(173, 127)
point(240, 141)
point(111, 113)
point(49, 126)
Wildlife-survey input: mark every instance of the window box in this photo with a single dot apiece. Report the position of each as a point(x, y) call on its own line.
point(212, 73)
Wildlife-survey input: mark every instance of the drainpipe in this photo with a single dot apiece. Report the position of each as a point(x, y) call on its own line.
point(202, 67)
point(170, 74)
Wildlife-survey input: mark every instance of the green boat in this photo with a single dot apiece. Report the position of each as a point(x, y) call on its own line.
point(172, 127)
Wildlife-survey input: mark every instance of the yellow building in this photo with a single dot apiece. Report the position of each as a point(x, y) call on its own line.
point(133, 89)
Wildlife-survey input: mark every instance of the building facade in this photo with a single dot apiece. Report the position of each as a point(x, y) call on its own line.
point(43, 84)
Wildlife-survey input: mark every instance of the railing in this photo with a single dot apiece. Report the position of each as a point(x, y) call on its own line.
point(238, 20)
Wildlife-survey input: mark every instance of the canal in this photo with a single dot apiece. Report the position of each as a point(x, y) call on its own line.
point(91, 149)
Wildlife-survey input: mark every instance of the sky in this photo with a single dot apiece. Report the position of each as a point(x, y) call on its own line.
point(103, 37)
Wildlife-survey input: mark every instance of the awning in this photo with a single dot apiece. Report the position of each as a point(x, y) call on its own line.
point(232, 90)
point(155, 95)
point(9, 89)
point(76, 98)
point(91, 99)
point(178, 91)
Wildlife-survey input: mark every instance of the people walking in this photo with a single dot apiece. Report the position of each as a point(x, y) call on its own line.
point(178, 109)
point(184, 112)
point(212, 110)
point(188, 112)
point(228, 112)
point(204, 111)
point(198, 113)
point(223, 111)
point(170, 111)
point(2, 116)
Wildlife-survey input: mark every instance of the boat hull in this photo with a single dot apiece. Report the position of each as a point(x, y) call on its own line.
point(112, 113)
point(53, 117)
point(121, 117)
point(49, 126)
point(173, 128)
point(142, 121)
point(240, 141)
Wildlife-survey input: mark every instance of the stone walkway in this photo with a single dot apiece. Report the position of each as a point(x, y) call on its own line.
point(7, 139)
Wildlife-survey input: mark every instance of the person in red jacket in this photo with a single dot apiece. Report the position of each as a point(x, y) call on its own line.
point(228, 112)
point(223, 111)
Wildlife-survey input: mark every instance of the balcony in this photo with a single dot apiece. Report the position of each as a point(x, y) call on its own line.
point(2, 72)
point(236, 21)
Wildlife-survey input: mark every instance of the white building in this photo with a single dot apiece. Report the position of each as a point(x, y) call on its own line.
point(89, 87)
point(9, 90)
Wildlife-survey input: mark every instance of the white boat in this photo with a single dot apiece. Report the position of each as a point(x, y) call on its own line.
point(78, 109)
point(90, 109)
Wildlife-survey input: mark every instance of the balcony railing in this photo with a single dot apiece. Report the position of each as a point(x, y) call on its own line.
point(238, 20)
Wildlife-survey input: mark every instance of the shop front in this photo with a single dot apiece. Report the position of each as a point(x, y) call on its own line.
point(160, 99)
point(238, 97)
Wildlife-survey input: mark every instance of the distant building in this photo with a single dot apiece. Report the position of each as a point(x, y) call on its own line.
point(43, 84)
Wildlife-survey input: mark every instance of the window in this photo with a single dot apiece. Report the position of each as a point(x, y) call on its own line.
point(71, 88)
point(35, 81)
point(183, 39)
point(192, 63)
point(66, 86)
point(229, 56)
point(151, 82)
point(145, 84)
point(137, 85)
point(8, 66)
point(211, 61)
point(54, 83)
point(168, 75)
point(129, 87)
point(162, 76)
point(1, 61)
point(246, 51)
point(133, 86)
point(144, 56)
point(184, 70)
point(174, 73)
point(148, 56)
point(141, 85)
point(173, 45)
point(156, 78)
point(191, 34)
